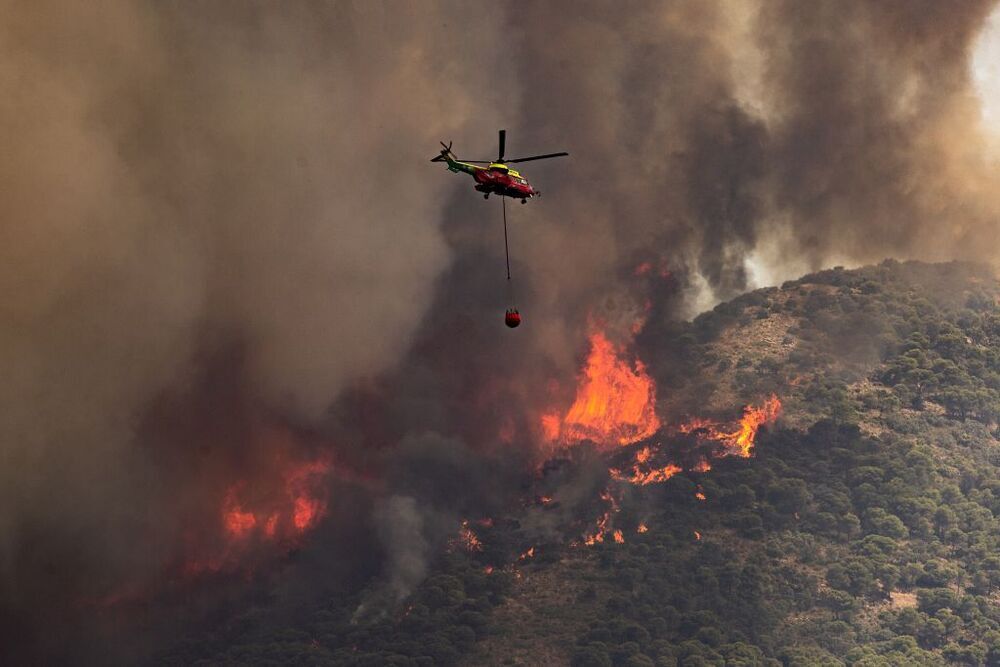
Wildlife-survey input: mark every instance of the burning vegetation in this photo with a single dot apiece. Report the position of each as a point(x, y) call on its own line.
point(683, 517)
point(262, 518)
point(296, 506)
point(615, 401)
point(615, 409)
point(738, 439)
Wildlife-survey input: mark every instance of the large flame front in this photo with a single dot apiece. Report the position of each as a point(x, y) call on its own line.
point(615, 402)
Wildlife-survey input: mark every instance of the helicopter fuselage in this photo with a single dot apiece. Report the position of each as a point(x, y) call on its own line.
point(497, 179)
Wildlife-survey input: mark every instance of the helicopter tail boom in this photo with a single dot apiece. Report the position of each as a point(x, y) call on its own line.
point(454, 164)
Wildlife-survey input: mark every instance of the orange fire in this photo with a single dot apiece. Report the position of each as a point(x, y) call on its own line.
point(299, 505)
point(599, 532)
point(639, 475)
point(550, 427)
point(602, 528)
point(530, 553)
point(738, 441)
point(615, 401)
point(753, 419)
point(238, 524)
point(619, 538)
point(642, 528)
point(697, 535)
point(467, 539)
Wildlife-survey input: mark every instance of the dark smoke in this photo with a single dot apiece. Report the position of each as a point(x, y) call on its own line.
point(875, 145)
point(221, 242)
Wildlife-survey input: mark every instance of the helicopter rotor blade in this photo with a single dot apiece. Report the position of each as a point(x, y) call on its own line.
point(503, 143)
point(536, 157)
point(445, 150)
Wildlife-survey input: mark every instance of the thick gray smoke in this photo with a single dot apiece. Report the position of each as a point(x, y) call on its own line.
point(401, 529)
point(182, 179)
point(217, 215)
point(875, 144)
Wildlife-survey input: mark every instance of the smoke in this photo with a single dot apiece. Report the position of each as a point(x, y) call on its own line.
point(221, 240)
point(218, 205)
point(401, 529)
point(876, 146)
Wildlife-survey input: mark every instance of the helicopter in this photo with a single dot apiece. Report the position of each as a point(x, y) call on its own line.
point(497, 178)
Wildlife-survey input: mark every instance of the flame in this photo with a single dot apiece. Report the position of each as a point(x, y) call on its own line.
point(619, 538)
point(599, 531)
point(642, 528)
point(550, 427)
point(697, 535)
point(642, 477)
point(753, 419)
point(488, 569)
point(699, 494)
point(530, 553)
point(602, 529)
point(738, 441)
point(276, 509)
point(299, 484)
point(298, 507)
point(467, 539)
point(615, 402)
point(237, 523)
point(697, 424)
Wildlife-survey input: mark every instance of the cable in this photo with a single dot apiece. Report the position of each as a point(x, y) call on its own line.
point(506, 248)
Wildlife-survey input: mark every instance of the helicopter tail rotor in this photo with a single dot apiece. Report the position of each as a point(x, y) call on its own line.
point(445, 152)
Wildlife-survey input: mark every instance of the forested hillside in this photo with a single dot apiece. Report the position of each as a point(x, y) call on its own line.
point(862, 530)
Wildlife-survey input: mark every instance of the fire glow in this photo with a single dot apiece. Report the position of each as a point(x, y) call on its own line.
point(615, 401)
point(261, 519)
point(295, 509)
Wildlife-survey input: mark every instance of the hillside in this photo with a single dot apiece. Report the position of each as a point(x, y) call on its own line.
point(861, 530)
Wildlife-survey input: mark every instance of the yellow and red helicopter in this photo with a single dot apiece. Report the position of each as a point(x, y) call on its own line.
point(497, 178)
